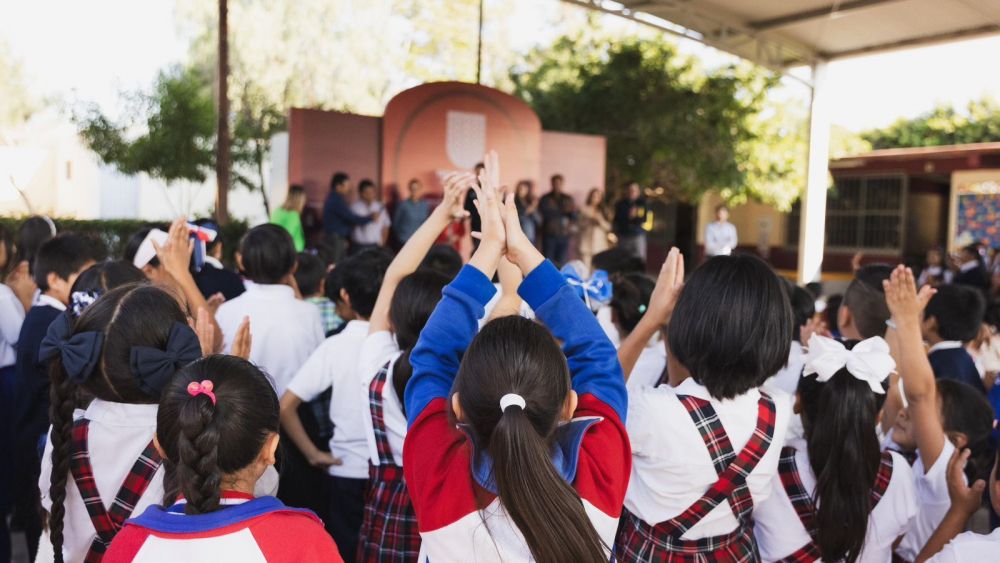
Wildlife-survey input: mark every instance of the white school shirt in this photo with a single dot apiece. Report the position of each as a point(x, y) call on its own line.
point(379, 348)
point(780, 533)
point(11, 317)
point(118, 434)
point(649, 367)
point(968, 547)
point(933, 500)
point(370, 232)
point(285, 329)
point(720, 239)
point(671, 466)
point(334, 364)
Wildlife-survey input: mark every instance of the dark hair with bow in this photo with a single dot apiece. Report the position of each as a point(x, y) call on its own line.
point(123, 348)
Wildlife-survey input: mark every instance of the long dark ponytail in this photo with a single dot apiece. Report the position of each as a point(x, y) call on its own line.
point(515, 355)
point(190, 428)
point(122, 316)
point(412, 304)
point(839, 418)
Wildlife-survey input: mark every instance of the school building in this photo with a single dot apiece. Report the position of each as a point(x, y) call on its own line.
point(893, 205)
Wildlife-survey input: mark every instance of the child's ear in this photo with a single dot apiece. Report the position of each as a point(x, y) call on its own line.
point(52, 279)
point(159, 448)
point(322, 287)
point(959, 439)
point(457, 408)
point(844, 316)
point(239, 260)
point(570, 404)
point(345, 298)
point(797, 406)
point(269, 452)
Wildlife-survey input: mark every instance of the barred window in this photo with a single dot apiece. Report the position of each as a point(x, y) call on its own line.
point(862, 213)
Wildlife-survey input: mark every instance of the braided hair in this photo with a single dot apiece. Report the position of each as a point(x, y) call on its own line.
point(209, 440)
point(122, 316)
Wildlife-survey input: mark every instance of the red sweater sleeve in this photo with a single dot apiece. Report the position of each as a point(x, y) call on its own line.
point(605, 463)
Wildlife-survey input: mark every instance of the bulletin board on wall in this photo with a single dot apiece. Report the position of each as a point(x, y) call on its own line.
point(976, 212)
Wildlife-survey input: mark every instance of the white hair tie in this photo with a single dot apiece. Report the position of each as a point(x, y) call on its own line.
point(511, 399)
point(868, 361)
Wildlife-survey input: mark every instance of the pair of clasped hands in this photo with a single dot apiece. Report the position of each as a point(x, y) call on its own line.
point(500, 235)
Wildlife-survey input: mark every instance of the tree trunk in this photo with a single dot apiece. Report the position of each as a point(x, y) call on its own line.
point(222, 160)
point(263, 186)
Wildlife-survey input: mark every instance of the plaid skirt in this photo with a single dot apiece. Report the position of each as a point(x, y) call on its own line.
point(637, 541)
point(389, 532)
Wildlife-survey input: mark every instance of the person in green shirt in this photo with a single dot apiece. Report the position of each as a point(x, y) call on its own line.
point(289, 216)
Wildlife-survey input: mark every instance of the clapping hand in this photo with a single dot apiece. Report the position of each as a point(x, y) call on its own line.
point(488, 202)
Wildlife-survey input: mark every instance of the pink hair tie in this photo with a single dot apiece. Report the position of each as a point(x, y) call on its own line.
point(203, 388)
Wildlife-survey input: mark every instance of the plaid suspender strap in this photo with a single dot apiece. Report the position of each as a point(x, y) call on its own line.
point(375, 404)
point(732, 472)
point(803, 504)
point(107, 522)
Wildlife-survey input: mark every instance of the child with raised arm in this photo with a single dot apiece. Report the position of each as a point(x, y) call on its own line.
point(939, 417)
point(405, 302)
point(705, 447)
point(537, 468)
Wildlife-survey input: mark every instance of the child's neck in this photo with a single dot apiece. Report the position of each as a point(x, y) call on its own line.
point(933, 338)
point(676, 373)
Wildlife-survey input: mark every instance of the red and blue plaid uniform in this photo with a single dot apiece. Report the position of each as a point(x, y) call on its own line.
point(640, 541)
point(107, 522)
point(389, 532)
point(804, 506)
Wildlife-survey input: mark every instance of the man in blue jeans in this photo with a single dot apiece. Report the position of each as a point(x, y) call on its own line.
point(558, 214)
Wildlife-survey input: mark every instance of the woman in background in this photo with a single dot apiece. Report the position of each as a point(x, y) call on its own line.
point(594, 227)
point(527, 209)
point(289, 216)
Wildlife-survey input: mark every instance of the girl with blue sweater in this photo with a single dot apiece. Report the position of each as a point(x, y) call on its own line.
point(537, 466)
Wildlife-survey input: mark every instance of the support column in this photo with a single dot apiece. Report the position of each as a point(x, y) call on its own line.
point(812, 223)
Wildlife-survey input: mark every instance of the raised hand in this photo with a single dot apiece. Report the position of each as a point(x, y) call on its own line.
point(175, 254)
point(964, 499)
point(205, 329)
point(905, 304)
point(520, 250)
point(243, 341)
point(453, 195)
point(669, 283)
point(488, 203)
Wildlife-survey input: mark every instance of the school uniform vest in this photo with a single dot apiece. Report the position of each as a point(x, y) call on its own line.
point(641, 541)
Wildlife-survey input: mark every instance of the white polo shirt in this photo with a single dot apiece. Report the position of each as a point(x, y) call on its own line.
point(932, 498)
point(780, 533)
point(649, 367)
point(378, 349)
point(335, 364)
point(285, 329)
point(969, 546)
point(11, 317)
point(671, 466)
point(370, 232)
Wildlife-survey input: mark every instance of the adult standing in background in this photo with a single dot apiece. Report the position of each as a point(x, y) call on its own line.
point(289, 215)
point(474, 222)
point(594, 227)
point(410, 213)
point(970, 268)
point(558, 213)
point(338, 219)
point(376, 232)
point(527, 209)
point(630, 218)
point(720, 235)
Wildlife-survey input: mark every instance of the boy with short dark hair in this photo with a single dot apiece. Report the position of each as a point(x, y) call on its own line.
point(951, 320)
point(863, 312)
point(334, 366)
point(311, 279)
point(57, 264)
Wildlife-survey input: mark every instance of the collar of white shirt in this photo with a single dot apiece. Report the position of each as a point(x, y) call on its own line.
point(121, 414)
point(945, 345)
point(970, 265)
point(270, 291)
point(50, 301)
point(214, 262)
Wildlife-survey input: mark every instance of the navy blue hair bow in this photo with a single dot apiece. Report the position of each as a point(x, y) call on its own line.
point(153, 368)
point(80, 352)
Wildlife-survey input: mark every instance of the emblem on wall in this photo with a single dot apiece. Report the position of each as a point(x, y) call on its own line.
point(465, 138)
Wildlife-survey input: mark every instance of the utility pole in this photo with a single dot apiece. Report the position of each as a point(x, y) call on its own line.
point(479, 46)
point(222, 158)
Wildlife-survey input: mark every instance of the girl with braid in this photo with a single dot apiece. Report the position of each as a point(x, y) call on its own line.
point(217, 425)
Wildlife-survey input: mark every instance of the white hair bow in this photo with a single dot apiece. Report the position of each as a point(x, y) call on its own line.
point(868, 361)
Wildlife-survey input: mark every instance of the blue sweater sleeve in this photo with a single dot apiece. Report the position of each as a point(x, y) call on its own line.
point(448, 332)
point(593, 360)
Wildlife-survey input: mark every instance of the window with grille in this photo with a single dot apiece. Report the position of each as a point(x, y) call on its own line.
point(862, 213)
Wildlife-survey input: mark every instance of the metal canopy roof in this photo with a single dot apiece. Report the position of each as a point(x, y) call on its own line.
point(782, 33)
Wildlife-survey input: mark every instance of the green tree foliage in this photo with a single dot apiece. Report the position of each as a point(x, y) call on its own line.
point(668, 123)
point(944, 125)
point(175, 126)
